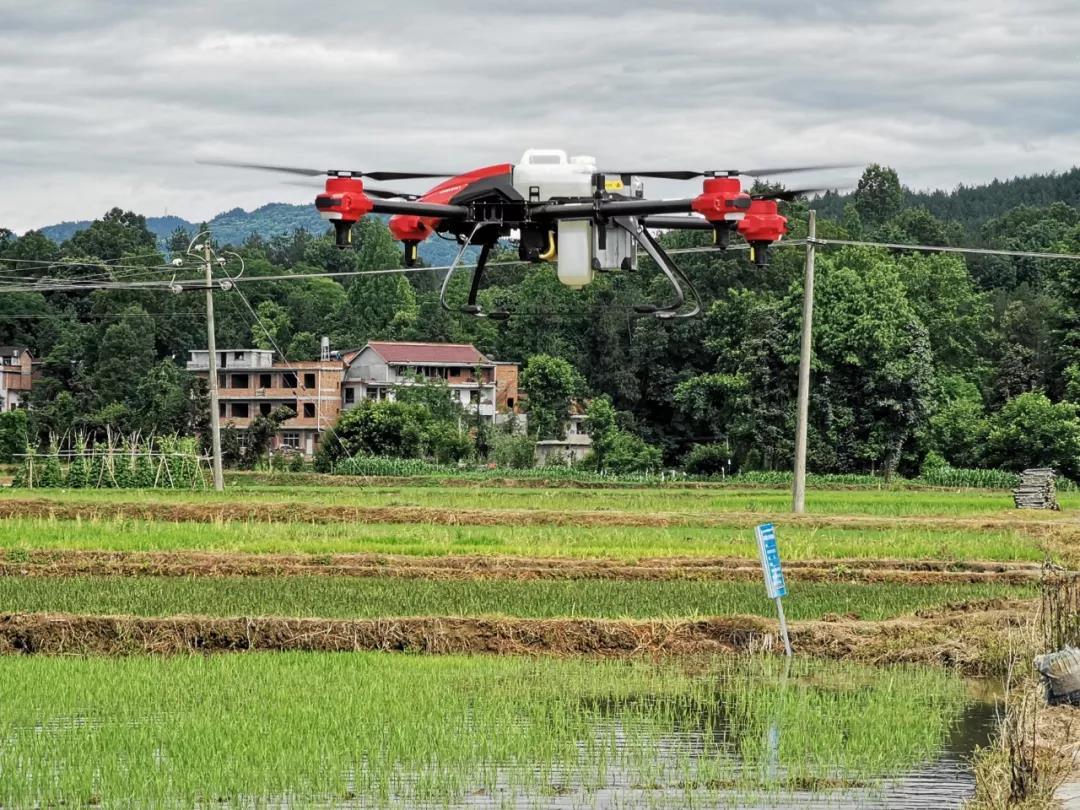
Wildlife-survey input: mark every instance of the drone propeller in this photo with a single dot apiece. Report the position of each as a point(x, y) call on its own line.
point(377, 175)
point(690, 174)
point(787, 195)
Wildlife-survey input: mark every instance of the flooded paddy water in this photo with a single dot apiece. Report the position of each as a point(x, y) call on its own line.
point(374, 729)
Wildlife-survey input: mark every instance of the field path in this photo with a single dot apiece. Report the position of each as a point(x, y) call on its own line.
point(957, 636)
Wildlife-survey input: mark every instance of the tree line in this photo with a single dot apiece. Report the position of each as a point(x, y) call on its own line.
point(968, 361)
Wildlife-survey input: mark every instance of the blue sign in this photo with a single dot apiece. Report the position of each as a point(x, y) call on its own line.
point(770, 561)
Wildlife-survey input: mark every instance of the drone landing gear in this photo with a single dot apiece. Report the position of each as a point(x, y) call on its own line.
point(471, 307)
point(668, 267)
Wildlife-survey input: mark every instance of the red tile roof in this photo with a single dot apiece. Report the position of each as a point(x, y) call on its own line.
point(395, 352)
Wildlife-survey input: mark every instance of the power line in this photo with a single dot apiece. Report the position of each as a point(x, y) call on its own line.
point(1023, 254)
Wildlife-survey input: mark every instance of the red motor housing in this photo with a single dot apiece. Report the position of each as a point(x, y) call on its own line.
point(762, 226)
point(722, 199)
point(344, 203)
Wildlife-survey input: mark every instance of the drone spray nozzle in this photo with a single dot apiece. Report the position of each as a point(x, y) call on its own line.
point(759, 254)
point(411, 253)
point(342, 233)
point(721, 234)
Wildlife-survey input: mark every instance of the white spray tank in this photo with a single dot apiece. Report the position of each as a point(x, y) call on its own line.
point(548, 174)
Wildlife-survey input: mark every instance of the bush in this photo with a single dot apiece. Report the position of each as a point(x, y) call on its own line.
point(628, 453)
point(515, 452)
point(378, 428)
point(13, 434)
point(707, 459)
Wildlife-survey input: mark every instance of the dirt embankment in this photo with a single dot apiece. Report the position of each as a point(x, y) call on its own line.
point(492, 567)
point(1052, 527)
point(962, 637)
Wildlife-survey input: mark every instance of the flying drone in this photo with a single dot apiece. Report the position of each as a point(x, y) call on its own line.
point(564, 210)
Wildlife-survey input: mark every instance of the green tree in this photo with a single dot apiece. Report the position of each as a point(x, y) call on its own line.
point(613, 448)
point(14, 434)
point(274, 326)
point(372, 304)
point(125, 356)
point(163, 402)
point(303, 346)
point(551, 384)
point(116, 235)
point(381, 428)
point(1032, 431)
point(879, 196)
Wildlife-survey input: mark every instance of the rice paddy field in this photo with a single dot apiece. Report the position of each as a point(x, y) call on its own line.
point(398, 644)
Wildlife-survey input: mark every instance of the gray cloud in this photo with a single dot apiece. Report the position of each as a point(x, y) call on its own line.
point(110, 103)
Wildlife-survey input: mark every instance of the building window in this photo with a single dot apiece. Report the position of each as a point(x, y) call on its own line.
point(350, 395)
point(240, 381)
point(309, 410)
point(455, 372)
point(474, 397)
point(221, 409)
point(266, 381)
point(291, 405)
point(510, 402)
point(288, 380)
point(240, 410)
point(221, 381)
point(238, 355)
point(265, 408)
point(309, 381)
point(290, 439)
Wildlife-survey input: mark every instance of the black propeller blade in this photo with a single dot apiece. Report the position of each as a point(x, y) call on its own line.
point(377, 175)
point(690, 174)
point(787, 195)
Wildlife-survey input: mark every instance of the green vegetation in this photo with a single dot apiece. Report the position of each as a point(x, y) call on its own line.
point(307, 729)
point(971, 358)
point(375, 597)
point(689, 502)
point(167, 462)
point(628, 543)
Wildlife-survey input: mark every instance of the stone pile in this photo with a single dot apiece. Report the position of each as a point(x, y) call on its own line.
point(1036, 490)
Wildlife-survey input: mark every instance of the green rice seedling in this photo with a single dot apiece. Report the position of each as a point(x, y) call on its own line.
point(380, 730)
point(798, 542)
point(687, 501)
point(377, 597)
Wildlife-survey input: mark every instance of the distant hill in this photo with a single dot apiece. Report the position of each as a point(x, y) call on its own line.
point(235, 226)
point(974, 205)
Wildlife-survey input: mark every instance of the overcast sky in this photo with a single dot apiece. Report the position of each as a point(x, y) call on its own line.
point(111, 103)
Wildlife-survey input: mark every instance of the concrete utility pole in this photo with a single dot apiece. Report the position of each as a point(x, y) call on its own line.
point(211, 345)
point(798, 493)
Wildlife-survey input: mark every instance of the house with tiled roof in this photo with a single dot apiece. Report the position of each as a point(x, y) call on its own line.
point(482, 385)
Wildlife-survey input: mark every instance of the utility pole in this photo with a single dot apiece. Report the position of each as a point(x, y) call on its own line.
point(211, 345)
point(798, 493)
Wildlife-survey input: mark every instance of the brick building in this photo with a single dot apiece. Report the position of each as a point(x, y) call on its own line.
point(252, 383)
